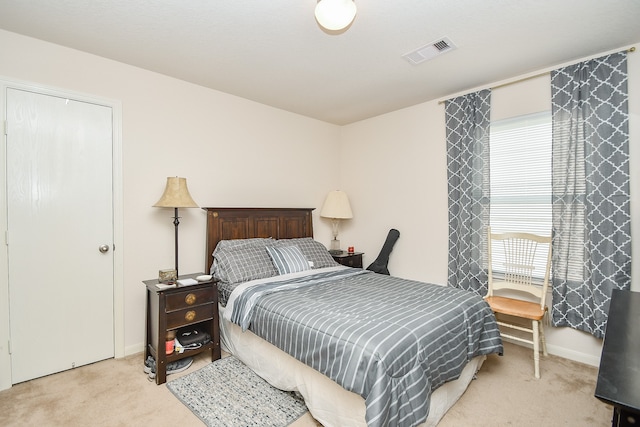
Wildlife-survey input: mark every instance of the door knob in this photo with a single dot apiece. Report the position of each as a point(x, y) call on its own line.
point(104, 248)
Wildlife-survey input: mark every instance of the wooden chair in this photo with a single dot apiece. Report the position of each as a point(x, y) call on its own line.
point(526, 299)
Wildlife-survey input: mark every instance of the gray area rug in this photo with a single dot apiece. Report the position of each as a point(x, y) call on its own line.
point(226, 393)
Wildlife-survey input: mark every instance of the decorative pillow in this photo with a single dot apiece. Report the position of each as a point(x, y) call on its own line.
point(288, 259)
point(235, 244)
point(315, 251)
point(241, 262)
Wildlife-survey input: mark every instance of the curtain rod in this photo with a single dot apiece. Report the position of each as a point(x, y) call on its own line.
point(536, 74)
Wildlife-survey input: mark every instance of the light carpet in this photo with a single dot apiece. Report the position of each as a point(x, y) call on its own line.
point(227, 393)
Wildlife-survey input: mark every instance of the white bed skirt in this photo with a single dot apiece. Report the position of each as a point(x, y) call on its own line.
point(328, 402)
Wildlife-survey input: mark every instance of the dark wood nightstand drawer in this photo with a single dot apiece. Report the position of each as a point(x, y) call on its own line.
point(189, 298)
point(349, 259)
point(187, 316)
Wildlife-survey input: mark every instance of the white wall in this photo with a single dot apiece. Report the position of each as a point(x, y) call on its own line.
point(394, 169)
point(222, 144)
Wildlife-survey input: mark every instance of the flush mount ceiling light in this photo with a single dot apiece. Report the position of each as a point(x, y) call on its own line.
point(335, 15)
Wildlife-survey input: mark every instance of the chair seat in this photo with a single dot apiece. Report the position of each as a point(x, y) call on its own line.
point(516, 307)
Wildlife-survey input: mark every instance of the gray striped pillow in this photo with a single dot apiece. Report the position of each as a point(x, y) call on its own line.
point(288, 259)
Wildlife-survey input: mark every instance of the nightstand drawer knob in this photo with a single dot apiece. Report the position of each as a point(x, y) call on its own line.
point(190, 315)
point(190, 299)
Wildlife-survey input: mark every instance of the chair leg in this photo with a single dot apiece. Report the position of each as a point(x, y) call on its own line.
point(542, 338)
point(536, 348)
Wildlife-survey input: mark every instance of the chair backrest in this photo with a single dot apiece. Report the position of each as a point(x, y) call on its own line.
point(518, 252)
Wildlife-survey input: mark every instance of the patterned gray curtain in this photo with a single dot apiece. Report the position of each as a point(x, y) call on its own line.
point(467, 122)
point(591, 216)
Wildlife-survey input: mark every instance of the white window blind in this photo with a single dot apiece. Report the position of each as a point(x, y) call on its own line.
point(520, 173)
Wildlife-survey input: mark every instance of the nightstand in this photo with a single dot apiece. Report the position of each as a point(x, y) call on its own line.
point(171, 308)
point(349, 259)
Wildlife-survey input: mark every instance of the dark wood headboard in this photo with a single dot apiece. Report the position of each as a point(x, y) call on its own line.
point(244, 223)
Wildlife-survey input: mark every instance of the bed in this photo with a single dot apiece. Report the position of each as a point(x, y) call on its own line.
point(362, 348)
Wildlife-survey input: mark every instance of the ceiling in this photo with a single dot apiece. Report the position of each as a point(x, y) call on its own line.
point(274, 52)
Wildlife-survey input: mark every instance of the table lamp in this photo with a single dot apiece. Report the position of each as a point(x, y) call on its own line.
point(336, 206)
point(176, 195)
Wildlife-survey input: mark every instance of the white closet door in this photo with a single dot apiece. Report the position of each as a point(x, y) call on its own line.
point(59, 202)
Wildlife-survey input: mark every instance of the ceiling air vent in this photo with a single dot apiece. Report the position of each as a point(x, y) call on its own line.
point(429, 51)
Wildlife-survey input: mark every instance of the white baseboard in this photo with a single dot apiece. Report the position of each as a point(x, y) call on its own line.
point(133, 349)
point(576, 356)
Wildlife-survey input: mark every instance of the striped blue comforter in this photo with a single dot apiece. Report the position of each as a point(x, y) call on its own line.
point(392, 341)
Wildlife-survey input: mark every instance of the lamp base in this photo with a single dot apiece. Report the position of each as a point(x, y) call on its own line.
point(334, 249)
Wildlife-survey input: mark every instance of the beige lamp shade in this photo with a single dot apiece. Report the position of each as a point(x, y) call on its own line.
point(176, 195)
point(336, 205)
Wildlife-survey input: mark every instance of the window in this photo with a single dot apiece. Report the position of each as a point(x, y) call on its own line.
point(520, 174)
